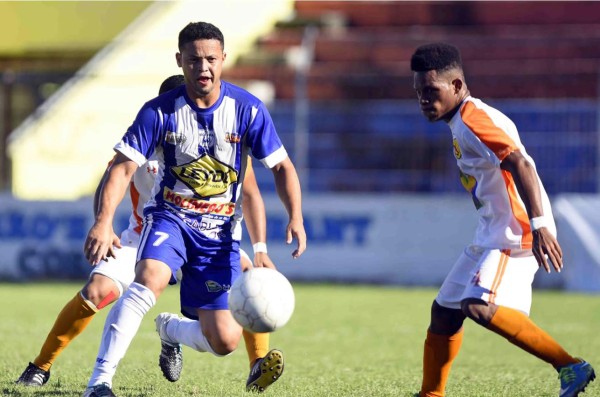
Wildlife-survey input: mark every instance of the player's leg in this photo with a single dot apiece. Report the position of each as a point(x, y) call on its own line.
point(124, 320)
point(215, 332)
point(257, 344)
point(445, 333)
point(266, 367)
point(70, 322)
point(104, 286)
point(500, 300)
point(151, 278)
point(209, 326)
point(75, 317)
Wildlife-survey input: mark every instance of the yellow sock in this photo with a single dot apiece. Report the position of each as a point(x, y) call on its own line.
point(71, 321)
point(438, 355)
point(257, 345)
point(522, 332)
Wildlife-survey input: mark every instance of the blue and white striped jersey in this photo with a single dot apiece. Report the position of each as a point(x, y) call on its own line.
point(202, 155)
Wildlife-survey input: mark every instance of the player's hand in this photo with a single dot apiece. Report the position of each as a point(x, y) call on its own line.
point(545, 247)
point(116, 244)
point(295, 230)
point(99, 243)
point(261, 259)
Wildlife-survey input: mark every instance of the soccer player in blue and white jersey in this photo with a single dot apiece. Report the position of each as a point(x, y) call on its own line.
point(110, 278)
point(201, 134)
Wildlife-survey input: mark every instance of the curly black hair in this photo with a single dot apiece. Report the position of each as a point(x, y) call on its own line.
point(435, 56)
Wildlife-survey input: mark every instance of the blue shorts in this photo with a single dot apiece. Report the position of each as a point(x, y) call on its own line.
point(208, 267)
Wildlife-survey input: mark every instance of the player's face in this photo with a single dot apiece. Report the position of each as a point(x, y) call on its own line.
point(202, 62)
point(437, 95)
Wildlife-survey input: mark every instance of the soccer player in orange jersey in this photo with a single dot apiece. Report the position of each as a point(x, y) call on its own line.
point(111, 277)
point(491, 281)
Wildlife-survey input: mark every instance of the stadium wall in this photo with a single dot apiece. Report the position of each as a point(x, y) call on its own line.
point(409, 240)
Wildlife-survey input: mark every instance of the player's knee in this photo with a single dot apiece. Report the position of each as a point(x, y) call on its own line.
point(477, 310)
point(224, 344)
point(445, 321)
point(100, 293)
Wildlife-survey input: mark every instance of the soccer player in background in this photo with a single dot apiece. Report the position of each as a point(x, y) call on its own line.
point(110, 277)
point(201, 134)
point(491, 281)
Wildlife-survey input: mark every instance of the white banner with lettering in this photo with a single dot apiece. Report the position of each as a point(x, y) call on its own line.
point(386, 239)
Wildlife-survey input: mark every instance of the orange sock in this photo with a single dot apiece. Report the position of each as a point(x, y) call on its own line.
point(522, 332)
point(257, 345)
point(71, 321)
point(438, 355)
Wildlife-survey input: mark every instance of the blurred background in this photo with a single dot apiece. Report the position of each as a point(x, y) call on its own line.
point(382, 197)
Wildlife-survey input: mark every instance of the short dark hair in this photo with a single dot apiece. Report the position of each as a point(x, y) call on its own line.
point(435, 56)
point(200, 31)
point(171, 82)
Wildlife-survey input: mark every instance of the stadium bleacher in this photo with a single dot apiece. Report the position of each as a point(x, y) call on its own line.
point(539, 62)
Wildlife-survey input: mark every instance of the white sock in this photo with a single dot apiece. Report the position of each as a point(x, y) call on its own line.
point(121, 325)
point(189, 332)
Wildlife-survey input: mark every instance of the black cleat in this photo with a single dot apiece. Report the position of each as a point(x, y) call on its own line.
point(170, 360)
point(33, 376)
point(101, 390)
point(265, 371)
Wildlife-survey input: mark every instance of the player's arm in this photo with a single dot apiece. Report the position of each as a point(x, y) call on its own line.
point(253, 208)
point(288, 189)
point(117, 241)
point(99, 190)
point(526, 180)
point(99, 241)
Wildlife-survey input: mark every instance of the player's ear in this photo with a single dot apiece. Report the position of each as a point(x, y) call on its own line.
point(457, 84)
point(178, 59)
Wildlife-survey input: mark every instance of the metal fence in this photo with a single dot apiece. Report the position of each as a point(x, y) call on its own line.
point(387, 146)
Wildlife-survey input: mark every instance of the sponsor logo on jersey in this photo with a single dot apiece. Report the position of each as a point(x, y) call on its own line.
point(213, 286)
point(470, 184)
point(232, 137)
point(206, 176)
point(207, 137)
point(174, 137)
point(199, 206)
point(457, 152)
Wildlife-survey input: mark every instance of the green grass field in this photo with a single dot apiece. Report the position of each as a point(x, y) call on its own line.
point(342, 341)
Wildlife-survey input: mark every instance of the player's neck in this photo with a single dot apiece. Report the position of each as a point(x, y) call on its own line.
point(208, 100)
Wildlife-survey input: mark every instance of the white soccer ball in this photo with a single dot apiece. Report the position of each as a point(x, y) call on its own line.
point(261, 300)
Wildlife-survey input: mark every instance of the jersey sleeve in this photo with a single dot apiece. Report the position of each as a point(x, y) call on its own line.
point(490, 132)
point(142, 137)
point(262, 138)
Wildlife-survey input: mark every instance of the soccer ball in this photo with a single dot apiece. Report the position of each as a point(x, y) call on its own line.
point(261, 300)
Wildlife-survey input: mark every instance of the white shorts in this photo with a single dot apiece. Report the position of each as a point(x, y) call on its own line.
point(502, 277)
point(122, 268)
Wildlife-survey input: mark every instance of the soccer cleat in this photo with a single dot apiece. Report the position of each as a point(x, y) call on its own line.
point(265, 371)
point(574, 378)
point(101, 390)
point(170, 360)
point(33, 376)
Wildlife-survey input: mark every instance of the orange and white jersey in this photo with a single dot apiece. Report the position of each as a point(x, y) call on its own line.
point(140, 189)
point(482, 137)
